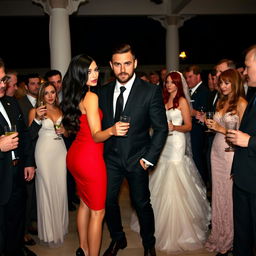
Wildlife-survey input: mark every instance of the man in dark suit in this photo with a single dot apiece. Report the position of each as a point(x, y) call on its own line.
point(244, 169)
point(199, 96)
point(131, 156)
point(27, 102)
point(16, 163)
point(32, 84)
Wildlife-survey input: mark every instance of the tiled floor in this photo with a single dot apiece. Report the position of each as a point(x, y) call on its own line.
point(134, 247)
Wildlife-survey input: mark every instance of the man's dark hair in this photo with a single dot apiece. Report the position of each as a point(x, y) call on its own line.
point(123, 48)
point(52, 72)
point(32, 75)
point(196, 70)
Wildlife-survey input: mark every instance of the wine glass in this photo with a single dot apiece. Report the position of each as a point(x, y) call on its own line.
point(230, 125)
point(57, 125)
point(209, 115)
point(201, 110)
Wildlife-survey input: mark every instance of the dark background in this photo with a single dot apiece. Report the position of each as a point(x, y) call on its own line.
point(24, 41)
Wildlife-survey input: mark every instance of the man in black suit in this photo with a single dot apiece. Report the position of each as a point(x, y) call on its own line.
point(199, 96)
point(16, 166)
point(32, 84)
point(27, 102)
point(244, 169)
point(130, 157)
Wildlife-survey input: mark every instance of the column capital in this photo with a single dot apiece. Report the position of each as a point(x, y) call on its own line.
point(70, 5)
point(173, 20)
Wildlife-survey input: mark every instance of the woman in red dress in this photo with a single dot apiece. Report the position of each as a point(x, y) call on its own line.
point(82, 116)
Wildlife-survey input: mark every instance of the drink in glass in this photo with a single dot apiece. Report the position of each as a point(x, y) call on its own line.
point(57, 125)
point(230, 125)
point(125, 119)
point(209, 115)
point(9, 130)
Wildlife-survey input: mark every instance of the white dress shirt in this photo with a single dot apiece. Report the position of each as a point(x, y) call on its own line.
point(32, 100)
point(194, 88)
point(3, 112)
point(126, 93)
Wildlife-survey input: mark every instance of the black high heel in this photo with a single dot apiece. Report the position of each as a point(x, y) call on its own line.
point(80, 252)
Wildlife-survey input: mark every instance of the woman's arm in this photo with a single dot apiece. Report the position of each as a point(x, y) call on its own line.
point(90, 104)
point(186, 115)
point(31, 116)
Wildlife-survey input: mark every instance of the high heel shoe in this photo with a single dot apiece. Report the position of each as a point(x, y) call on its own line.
point(80, 252)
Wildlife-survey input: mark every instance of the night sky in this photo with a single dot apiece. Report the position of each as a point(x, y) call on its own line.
point(206, 39)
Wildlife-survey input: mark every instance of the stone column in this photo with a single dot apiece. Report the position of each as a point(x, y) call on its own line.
point(172, 43)
point(59, 31)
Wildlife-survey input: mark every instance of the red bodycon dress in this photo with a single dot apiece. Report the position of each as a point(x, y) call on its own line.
point(86, 164)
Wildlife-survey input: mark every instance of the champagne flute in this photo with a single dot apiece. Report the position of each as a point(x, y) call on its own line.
point(209, 115)
point(170, 133)
point(41, 104)
point(57, 125)
point(230, 125)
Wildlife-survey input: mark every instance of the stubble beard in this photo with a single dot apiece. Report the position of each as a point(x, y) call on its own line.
point(124, 80)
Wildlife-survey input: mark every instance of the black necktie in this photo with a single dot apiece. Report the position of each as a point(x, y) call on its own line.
point(119, 104)
point(190, 92)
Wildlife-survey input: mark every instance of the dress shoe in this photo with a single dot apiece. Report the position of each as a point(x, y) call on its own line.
point(115, 246)
point(27, 252)
point(28, 240)
point(150, 252)
point(80, 252)
point(71, 207)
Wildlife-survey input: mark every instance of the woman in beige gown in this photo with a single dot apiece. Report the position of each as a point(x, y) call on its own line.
point(50, 156)
point(230, 107)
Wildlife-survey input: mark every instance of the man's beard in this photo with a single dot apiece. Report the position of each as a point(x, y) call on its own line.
point(126, 79)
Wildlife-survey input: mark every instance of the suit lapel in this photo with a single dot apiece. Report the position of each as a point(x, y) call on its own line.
point(9, 109)
point(250, 112)
point(110, 97)
point(132, 96)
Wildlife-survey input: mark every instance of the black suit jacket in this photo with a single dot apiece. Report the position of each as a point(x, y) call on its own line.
point(25, 106)
point(211, 106)
point(199, 99)
point(23, 152)
point(244, 163)
point(146, 109)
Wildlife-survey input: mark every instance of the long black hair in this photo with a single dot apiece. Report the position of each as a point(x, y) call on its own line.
point(74, 90)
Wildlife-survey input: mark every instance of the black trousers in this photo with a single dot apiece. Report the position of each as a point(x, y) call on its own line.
point(244, 222)
point(140, 197)
point(12, 217)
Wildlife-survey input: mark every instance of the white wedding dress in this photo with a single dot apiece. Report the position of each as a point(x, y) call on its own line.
point(178, 196)
point(51, 186)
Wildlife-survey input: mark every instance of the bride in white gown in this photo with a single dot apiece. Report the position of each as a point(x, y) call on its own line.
point(178, 196)
point(50, 156)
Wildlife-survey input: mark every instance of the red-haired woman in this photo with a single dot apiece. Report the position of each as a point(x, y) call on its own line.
point(178, 197)
point(230, 107)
